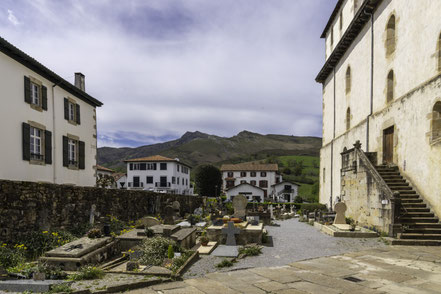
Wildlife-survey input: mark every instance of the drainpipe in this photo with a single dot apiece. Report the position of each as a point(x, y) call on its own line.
point(54, 136)
point(332, 150)
point(372, 82)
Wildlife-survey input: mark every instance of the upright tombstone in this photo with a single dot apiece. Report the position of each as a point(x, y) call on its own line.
point(240, 206)
point(231, 231)
point(92, 214)
point(340, 209)
point(169, 215)
point(271, 208)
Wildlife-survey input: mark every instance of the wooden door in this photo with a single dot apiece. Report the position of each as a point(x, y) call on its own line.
point(388, 145)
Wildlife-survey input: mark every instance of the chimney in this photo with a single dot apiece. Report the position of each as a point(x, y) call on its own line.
point(80, 81)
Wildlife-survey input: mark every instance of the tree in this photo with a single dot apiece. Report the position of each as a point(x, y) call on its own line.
point(287, 171)
point(208, 180)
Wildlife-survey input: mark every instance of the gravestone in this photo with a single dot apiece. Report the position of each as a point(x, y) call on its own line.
point(147, 222)
point(271, 208)
point(231, 231)
point(169, 215)
point(92, 214)
point(340, 209)
point(198, 211)
point(240, 206)
point(177, 207)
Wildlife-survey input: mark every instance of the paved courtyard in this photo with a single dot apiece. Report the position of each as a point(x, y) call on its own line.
point(396, 269)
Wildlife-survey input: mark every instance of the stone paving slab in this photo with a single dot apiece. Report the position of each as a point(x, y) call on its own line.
point(394, 269)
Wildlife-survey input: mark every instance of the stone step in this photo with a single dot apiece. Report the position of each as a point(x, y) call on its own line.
point(417, 209)
point(395, 181)
point(396, 176)
point(400, 188)
point(405, 201)
point(397, 184)
point(423, 231)
point(419, 214)
point(383, 167)
point(417, 220)
point(420, 236)
point(408, 192)
point(414, 205)
point(409, 197)
point(412, 242)
point(389, 173)
point(424, 226)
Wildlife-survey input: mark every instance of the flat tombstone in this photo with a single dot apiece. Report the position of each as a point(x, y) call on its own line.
point(240, 205)
point(340, 209)
point(231, 231)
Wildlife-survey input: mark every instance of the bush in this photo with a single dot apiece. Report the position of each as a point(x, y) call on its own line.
point(11, 257)
point(28, 268)
point(225, 263)
point(171, 252)
point(37, 243)
point(287, 171)
point(178, 262)
point(252, 250)
point(298, 199)
point(87, 273)
point(155, 250)
point(61, 288)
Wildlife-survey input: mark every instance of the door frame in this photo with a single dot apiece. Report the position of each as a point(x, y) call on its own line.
point(389, 130)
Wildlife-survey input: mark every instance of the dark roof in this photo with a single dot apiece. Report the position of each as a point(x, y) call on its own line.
point(21, 57)
point(250, 167)
point(244, 184)
point(333, 16)
point(354, 28)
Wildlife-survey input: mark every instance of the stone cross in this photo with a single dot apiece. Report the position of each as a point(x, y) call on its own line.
point(231, 231)
point(340, 209)
point(240, 206)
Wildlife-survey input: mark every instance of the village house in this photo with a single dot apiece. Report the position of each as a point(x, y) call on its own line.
point(120, 180)
point(49, 125)
point(284, 191)
point(252, 192)
point(160, 174)
point(105, 177)
point(256, 175)
point(381, 152)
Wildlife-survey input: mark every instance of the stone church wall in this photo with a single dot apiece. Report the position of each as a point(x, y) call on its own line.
point(28, 206)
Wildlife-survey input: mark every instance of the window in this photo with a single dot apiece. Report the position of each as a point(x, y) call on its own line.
point(230, 184)
point(177, 181)
point(243, 174)
point(263, 174)
point(324, 175)
point(439, 53)
point(149, 180)
point(348, 80)
point(135, 166)
point(163, 166)
point(35, 93)
point(341, 20)
point(348, 119)
point(142, 166)
point(184, 169)
point(36, 140)
point(186, 182)
point(263, 184)
point(173, 180)
point(71, 111)
point(151, 166)
point(332, 36)
point(73, 152)
point(136, 182)
point(390, 36)
point(253, 183)
point(436, 121)
point(230, 174)
point(177, 166)
point(390, 87)
point(243, 182)
point(252, 174)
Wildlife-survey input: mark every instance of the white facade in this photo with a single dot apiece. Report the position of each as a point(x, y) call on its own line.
point(259, 175)
point(158, 173)
point(252, 193)
point(121, 181)
point(284, 191)
point(394, 85)
point(35, 131)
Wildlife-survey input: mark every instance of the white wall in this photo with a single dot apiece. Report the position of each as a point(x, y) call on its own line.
point(270, 177)
point(15, 111)
point(276, 189)
point(245, 189)
point(182, 188)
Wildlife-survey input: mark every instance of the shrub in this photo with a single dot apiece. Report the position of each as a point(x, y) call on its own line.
point(171, 252)
point(155, 250)
point(178, 262)
point(298, 199)
point(252, 250)
point(11, 257)
point(37, 243)
point(265, 237)
point(61, 288)
point(87, 273)
point(94, 233)
point(225, 263)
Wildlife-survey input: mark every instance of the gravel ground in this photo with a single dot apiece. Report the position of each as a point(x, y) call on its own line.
point(292, 241)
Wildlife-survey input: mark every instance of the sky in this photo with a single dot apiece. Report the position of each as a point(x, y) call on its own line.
point(165, 67)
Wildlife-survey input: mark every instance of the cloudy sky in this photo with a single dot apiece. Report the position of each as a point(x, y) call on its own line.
point(164, 67)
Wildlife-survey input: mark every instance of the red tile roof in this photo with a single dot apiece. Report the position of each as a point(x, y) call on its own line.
point(250, 167)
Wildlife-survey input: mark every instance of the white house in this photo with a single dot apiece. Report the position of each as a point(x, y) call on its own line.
point(284, 191)
point(259, 175)
point(252, 193)
point(49, 125)
point(120, 180)
point(105, 177)
point(159, 173)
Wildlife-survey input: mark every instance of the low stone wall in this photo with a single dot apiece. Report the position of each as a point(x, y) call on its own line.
point(28, 206)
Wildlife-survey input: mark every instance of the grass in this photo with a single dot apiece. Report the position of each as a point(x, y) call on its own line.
point(87, 273)
point(225, 263)
point(253, 250)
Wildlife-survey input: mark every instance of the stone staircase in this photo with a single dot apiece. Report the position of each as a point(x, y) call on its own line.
point(420, 225)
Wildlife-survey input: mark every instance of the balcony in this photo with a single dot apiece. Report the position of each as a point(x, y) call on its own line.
point(162, 184)
point(132, 185)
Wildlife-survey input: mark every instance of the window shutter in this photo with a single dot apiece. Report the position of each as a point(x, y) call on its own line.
point(66, 109)
point(47, 147)
point(44, 97)
point(65, 151)
point(81, 164)
point(78, 114)
point(26, 141)
point(27, 90)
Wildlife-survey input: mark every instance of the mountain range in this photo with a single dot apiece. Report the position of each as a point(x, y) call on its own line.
point(195, 148)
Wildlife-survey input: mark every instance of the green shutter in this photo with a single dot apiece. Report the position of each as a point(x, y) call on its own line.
point(27, 90)
point(66, 109)
point(78, 114)
point(47, 147)
point(65, 151)
point(81, 164)
point(26, 131)
point(44, 97)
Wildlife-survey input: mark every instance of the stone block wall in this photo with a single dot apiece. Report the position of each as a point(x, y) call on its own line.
point(29, 206)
